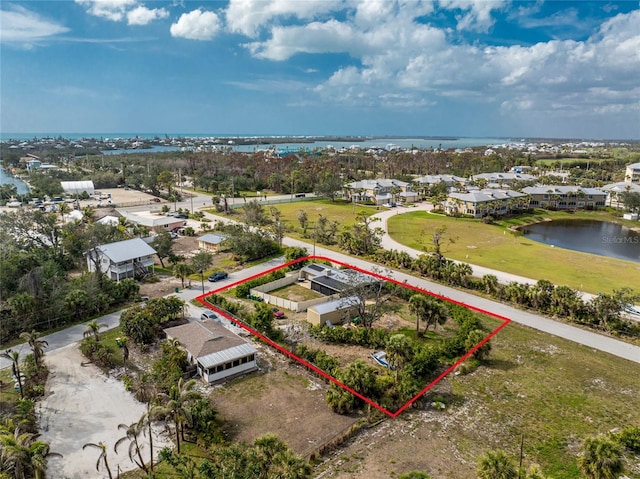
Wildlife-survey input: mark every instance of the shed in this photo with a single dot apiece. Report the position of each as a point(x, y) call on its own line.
point(211, 242)
point(337, 311)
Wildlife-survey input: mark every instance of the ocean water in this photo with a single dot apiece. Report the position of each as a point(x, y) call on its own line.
point(6, 178)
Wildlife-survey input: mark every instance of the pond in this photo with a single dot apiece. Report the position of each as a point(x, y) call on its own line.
point(596, 237)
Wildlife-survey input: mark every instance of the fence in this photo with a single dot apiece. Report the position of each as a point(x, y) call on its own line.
point(295, 306)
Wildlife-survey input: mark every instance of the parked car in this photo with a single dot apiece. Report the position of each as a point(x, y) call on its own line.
point(278, 314)
point(182, 216)
point(220, 275)
point(209, 315)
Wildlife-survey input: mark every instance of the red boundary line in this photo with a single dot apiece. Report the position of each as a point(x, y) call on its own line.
point(330, 378)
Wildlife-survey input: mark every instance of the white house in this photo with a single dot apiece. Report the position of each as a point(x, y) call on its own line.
point(123, 259)
point(380, 191)
point(218, 353)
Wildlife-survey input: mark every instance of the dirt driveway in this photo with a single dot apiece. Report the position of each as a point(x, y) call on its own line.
point(83, 405)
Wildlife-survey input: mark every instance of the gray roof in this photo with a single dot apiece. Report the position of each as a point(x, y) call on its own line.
point(335, 305)
point(373, 184)
point(435, 179)
point(210, 342)
point(126, 250)
point(560, 190)
point(484, 196)
point(212, 238)
point(634, 166)
point(622, 186)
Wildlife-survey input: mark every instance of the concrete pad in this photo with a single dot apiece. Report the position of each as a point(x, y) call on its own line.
point(83, 405)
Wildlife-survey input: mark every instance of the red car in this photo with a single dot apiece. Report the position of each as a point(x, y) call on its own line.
point(278, 314)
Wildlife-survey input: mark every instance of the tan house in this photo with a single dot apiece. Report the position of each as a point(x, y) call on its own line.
point(481, 203)
point(217, 353)
point(380, 192)
point(632, 174)
point(211, 242)
point(563, 197)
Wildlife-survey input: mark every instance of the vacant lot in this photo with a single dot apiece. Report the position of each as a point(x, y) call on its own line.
point(553, 391)
point(285, 400)
point(494, 247)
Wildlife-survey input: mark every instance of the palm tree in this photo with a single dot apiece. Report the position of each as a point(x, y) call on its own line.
point(417, 305)
point(200, 262)
point(179, 397)
point(601, 458)
point(496, 465)
point(93, 329)
point(22, 453)
point(63, 208)
point(89, 214)
point(102, 447)
point(133, 431)
point(37, 345)
point(14, 357)
point(182, 270)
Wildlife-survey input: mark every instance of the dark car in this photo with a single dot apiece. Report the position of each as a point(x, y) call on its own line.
point(278, 314)
point(218, 276)
point(182, 216)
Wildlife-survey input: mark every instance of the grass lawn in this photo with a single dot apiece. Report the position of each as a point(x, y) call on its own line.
point(295, 292)
point(493, 246)
point(553, 391)
point(341, 211)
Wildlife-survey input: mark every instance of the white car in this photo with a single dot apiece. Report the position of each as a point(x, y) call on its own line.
point(209, 315)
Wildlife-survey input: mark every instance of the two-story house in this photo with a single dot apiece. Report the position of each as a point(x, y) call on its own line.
point(123, 259)
point(380, 192)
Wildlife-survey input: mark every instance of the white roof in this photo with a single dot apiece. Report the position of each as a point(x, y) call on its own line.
point(77, 186)
point(126, 250)
point(226, 355)
point(622, 186)
point(373, 184)
point(335, 305)
point(109, 220)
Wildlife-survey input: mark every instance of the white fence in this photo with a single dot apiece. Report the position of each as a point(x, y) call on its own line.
point(295, 306)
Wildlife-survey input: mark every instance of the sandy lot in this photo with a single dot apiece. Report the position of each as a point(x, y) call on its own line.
point(82, 405)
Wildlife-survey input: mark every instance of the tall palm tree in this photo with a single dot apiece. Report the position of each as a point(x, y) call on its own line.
point(93, 329)
point(496, 465)
point(36, 344)
point(200, 262)
point(102, 447)
point(14, 357)
point(417, 305)
point(181, 271)
point(133, 431)
point(179, 397)
point(63, 209)
point(601, 458)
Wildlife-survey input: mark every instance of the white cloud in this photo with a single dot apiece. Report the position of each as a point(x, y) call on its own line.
point(114, 10)
point(250, 16)
point(142, 15)
point(196, 25)
point(477, 14)
point(23, 26)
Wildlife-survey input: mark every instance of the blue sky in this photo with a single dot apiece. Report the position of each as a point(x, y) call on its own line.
point(331, 67)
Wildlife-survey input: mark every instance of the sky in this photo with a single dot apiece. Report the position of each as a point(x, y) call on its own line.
point(467, 68)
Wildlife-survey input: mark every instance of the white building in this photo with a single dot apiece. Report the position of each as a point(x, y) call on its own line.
point(218, 353)
point(123, 259)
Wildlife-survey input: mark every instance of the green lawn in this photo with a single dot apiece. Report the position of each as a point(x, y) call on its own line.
point(295, 292)
point(493, 246)
point(341, 211)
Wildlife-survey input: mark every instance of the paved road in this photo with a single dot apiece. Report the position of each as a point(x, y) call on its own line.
point(587, 338)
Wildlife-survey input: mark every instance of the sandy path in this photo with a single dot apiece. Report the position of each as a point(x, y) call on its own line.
point(82, 405)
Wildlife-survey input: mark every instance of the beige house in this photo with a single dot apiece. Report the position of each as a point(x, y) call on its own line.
point(563, 197)
point(211, 242)
point(380, 192)
point(481, 203)
point(217, 353)
point(632, 174)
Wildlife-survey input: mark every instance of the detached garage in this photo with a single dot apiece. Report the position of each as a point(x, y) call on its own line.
point(77, 187)
point(339, 311)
